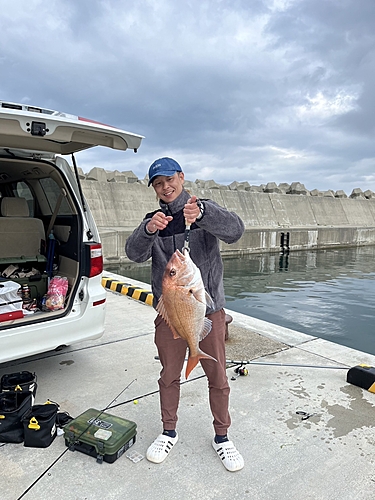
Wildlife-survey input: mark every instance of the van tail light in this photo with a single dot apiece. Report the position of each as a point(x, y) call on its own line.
point(99, 302)
point(96, 260)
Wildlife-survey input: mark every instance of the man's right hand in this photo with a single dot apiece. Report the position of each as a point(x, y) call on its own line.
point(158, 222)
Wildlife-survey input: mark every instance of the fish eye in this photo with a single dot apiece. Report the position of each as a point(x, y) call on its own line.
point(190, 291)
point(172, 272)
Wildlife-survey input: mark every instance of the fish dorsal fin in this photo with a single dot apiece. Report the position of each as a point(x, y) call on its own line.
point(207, 325)
point(209, 301)
point(160, 307)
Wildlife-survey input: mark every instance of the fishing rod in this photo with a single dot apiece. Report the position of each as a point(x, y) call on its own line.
point(295, 365)
point(248, 362)
point(241, 369)
point(69, 448)
point(118, 395)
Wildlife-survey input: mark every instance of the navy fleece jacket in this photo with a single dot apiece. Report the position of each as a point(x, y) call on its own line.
point(216, 224)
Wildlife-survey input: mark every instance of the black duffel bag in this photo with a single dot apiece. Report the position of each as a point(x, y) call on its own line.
point(13, 406)
point(20, 381)
point(39, 425)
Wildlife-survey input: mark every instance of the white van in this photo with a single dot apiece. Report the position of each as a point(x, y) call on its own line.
point(47, 233)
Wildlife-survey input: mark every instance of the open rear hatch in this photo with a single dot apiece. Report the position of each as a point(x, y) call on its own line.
point(40, 198)
point(39, 129)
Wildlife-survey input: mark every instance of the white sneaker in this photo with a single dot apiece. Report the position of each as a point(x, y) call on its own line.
point(159, 449)
point(229, 455)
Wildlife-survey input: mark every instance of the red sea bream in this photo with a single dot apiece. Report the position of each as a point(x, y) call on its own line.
point(183, 305)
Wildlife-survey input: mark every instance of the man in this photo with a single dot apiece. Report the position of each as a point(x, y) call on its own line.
point(158, 237)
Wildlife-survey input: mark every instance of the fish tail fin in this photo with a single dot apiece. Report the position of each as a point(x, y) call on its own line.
point(191, 364)
point(194, 360)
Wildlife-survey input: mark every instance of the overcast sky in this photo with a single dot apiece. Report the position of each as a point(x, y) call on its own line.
point(234, 90)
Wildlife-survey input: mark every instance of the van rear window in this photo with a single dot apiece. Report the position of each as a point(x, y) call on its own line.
point(22, 190)
point(52, 193)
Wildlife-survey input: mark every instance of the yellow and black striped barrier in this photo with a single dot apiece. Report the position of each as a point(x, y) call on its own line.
point(134, 292)
point(362, 376)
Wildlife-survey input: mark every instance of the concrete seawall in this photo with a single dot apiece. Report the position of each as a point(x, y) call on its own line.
point(272, 220)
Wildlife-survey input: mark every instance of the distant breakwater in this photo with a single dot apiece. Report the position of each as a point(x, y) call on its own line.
point(282, 217)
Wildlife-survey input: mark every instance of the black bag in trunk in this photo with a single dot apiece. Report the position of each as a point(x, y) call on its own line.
point(13, 406)
point(39, 425)
point(20, 381)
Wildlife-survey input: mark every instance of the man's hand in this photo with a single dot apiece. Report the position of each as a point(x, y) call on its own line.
point(159, 222)
point(191, 210)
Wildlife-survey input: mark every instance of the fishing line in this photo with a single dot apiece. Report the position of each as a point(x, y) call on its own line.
point(67, 449)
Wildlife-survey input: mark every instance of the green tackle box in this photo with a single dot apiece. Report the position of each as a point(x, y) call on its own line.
point(100, 435)
point(38, 285)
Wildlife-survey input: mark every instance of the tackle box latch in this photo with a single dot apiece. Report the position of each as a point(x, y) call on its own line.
point(101, 452)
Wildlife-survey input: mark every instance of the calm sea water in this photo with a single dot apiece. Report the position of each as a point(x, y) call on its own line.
point(329, 294)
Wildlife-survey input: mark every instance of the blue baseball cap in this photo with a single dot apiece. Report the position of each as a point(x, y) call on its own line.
point(163, 166)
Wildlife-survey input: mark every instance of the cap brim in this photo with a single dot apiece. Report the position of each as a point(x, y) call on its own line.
point(165, 173)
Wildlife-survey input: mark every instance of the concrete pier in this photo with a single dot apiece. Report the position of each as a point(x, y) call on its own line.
point(329, 455)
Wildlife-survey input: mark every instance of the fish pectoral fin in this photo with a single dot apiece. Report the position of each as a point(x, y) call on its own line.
point(207, 326)
point(162, 310)
point(209, 301)
point(160, 307)
point(175, 334)
point(197, 294)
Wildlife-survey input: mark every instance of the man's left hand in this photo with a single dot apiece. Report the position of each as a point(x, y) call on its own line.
point(191, 210)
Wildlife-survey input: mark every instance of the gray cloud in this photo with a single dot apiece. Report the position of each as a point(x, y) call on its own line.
point(267, 90)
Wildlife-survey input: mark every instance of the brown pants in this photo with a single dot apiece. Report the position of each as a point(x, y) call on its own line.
point(172, 353)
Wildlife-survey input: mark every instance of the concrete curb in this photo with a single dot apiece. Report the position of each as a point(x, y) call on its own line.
point(135, 292)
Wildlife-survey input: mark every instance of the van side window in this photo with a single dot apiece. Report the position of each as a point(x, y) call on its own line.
point(22, 190)
point(52, 193)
